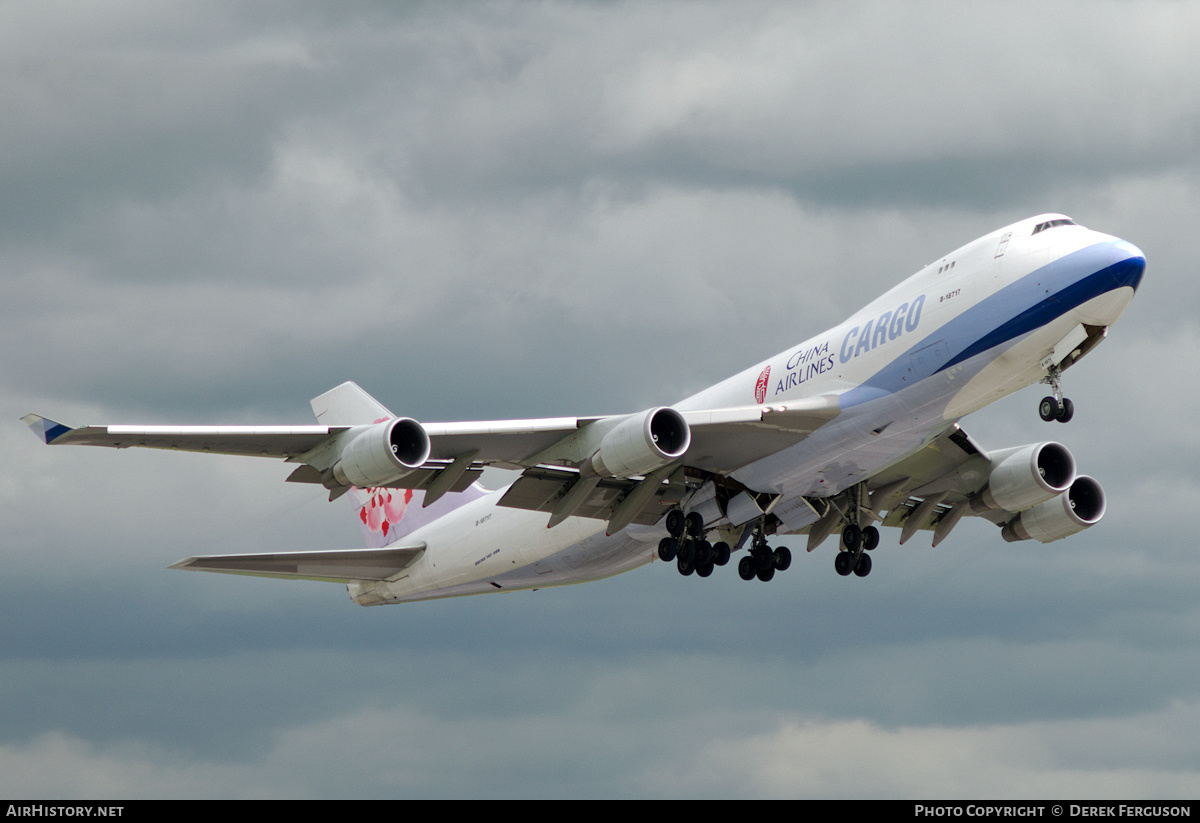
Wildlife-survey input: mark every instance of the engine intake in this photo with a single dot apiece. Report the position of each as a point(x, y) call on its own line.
point(1026, 476)
point(383, 453)
point(642, 442)
point(1074, 510)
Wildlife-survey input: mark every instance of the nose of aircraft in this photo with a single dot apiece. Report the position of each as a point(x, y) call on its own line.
point(1126, 264)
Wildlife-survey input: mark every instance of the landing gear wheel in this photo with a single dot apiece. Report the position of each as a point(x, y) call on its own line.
point(704, 569)
point(766, 574)
point(721, 553)
point(694, 523)
point(685, 567)
point(763, 557)
point(1049, 409)
point(687, 551)
point(844, 563)
point(675, 522)
point(667, 549)
point(1067, 411)
point(704, 553)
point(851, 538)
point(870, 538)
point(863, 567)
point(746, 568)
point(783, 558)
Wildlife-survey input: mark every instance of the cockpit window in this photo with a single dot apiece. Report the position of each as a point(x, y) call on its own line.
point(1049, 224)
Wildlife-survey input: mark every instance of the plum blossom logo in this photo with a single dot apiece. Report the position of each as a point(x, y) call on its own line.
point(760, 388)
point(384, 508)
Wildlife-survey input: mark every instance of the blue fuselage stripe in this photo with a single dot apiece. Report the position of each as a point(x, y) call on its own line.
point(1128, 272)
point(1030, 303)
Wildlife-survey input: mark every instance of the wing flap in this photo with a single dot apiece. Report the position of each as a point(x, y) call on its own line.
point(329, 566)
point(422, 478)
point(541, 488)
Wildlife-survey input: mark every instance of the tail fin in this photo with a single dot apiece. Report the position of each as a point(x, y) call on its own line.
point(385, 515)
point(348, 405)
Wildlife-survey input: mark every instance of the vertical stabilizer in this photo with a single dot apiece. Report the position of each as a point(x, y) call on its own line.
point(348, 405)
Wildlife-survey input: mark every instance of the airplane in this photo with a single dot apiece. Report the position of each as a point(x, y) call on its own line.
point(856, 426)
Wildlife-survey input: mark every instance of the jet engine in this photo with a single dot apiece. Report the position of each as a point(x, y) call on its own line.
point(642, 442)
point(381, 454)
point(1072, 511)
point(1026, 476)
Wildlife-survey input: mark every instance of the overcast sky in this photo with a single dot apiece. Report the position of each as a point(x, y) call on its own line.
point(214, 212)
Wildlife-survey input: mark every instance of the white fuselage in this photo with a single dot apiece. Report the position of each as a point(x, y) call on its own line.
point(961, 333)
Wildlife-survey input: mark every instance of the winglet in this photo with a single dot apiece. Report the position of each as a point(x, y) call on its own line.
point(47, 430)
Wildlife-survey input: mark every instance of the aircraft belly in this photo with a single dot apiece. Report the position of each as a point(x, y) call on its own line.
point(483, 548)
point(594, 558)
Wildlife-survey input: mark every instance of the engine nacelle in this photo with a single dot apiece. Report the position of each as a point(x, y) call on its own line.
point(382, 453)
point(642, 443)
point(1026, 476)
point(1072, 511)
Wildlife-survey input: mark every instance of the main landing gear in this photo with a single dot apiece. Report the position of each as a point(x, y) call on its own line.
point(761, 561)
point(1055, 407)
point(857, 540)
point(692, 553)
point(853, 556)
point(686, 545)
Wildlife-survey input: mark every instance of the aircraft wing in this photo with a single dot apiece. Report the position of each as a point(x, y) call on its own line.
point(930, 489)
point(552, 453)
point(264, 441)
point(723, 440)
point(327, 566)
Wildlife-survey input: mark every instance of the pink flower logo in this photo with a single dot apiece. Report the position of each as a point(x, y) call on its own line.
point(384, 508)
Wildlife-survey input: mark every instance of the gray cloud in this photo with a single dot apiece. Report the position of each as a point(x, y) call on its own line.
point(485, 211)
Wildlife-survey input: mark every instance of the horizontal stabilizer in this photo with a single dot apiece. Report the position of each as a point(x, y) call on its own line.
point(330, 566)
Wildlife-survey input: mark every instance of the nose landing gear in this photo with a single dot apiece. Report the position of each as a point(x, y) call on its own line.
point(1055, 407)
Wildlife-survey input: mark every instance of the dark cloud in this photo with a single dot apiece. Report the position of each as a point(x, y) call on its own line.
point(212, 214)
